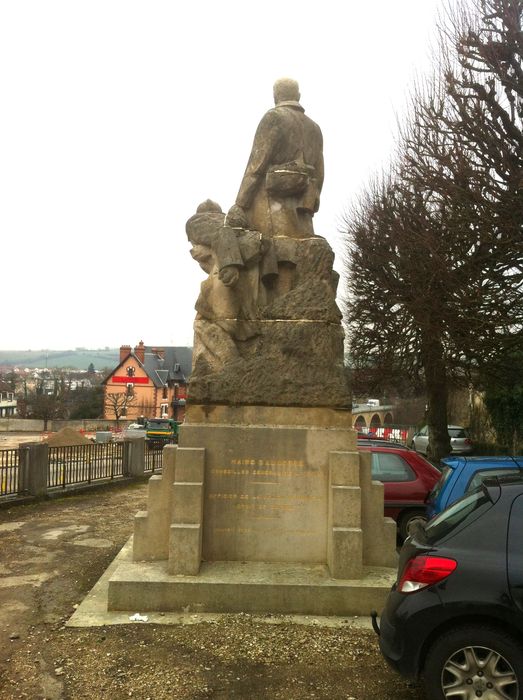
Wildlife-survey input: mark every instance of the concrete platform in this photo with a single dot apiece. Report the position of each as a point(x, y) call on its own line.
point(93, 612)
point(251, 587)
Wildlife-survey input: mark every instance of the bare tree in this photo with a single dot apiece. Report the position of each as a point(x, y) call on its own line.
point(45, 406)
point(118, 403)
point(435, 247)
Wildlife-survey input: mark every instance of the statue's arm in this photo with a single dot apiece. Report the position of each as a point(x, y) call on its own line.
point(319, 172)
point(262, 153)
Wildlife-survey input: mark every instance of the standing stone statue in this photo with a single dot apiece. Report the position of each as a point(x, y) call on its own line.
point(268, 330)
point(280, 190)
point(266, 478)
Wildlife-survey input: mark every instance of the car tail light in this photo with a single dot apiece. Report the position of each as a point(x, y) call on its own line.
point(468, 441)
point(421, 572)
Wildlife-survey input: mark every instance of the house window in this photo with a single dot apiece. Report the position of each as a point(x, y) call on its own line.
point(130, 371)
point(164, 410)
point(164, 395)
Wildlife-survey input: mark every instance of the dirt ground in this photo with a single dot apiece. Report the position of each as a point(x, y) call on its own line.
point(10, 440)
point(51, 554)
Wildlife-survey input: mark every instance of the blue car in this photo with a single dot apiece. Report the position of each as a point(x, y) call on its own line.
point(460, 475)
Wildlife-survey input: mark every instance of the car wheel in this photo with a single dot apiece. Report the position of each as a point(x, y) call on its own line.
point(474, 662)
point(409, 519)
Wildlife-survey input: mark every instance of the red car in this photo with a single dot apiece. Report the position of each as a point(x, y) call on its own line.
point(407, 477)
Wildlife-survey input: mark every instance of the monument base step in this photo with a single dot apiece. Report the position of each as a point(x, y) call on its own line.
point(250, 587)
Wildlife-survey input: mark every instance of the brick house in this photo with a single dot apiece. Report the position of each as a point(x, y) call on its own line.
point(7, 401)
point(149, 382)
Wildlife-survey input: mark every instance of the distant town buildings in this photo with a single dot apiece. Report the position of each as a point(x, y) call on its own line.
point(8, 402)
point(149, 381)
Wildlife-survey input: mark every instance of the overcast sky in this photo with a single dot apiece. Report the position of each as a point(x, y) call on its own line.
point(119, 117)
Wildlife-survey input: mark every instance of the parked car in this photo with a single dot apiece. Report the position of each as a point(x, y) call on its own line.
point(455, 614)
point(460, 475)
point(460, 442)
point(407, 477)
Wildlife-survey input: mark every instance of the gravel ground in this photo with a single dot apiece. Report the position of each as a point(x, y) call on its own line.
point(51, 554)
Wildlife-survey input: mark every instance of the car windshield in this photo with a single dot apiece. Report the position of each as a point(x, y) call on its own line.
point(457, 433)
point(440, 526)
point(163, 424)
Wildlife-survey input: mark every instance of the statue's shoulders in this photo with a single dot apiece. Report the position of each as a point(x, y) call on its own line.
point(273, 116)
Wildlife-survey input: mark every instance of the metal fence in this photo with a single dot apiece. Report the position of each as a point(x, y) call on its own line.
point(395, 434)
point(153, 457)
point(82, 464)
point(9, 471)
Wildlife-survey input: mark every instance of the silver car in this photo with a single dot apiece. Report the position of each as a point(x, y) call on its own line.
point(460, 443)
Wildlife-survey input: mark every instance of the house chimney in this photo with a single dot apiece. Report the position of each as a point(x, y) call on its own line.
point(160, 352)
point(124, 351)
point(139, 352)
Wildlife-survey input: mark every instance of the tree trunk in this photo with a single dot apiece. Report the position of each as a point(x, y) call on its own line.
point(437, 396)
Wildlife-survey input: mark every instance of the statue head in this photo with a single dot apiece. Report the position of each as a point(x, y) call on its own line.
point(286, 90)
point(209, 206)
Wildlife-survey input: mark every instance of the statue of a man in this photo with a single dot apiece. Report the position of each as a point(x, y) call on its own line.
point(267, 330)
point(280, 190)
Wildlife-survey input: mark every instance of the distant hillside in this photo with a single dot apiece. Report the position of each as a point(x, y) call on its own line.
point(80, 358)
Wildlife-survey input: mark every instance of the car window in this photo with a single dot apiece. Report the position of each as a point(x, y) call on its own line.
point(390, 467)
point(478, 477)
point(467, 507)
point(424, 430)
point(457, 433)
point(440, 483)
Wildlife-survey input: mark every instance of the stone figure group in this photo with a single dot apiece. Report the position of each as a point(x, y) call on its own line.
point(269, 276)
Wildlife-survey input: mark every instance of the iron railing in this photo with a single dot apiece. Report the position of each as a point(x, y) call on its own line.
point(77, 464)
point(82, 464)
point(153, 456)
point(9, 471)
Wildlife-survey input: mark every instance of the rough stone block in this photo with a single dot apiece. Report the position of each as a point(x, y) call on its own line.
point(185, 549)
point(142, 549)
point(169, 459)
point(248, 587)
point(345, 506)
point(365, 469)
point(190, 464)
point(151, 540)
point(344, 468)
point(187, 503)
point(381, 549)
point(345, 553)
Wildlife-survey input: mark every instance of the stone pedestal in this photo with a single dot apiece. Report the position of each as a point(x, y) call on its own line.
point(256, 498)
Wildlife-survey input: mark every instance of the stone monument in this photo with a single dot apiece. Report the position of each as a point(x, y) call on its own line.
point(265, 505)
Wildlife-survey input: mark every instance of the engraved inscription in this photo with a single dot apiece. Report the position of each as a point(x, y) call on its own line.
point(265, 502)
